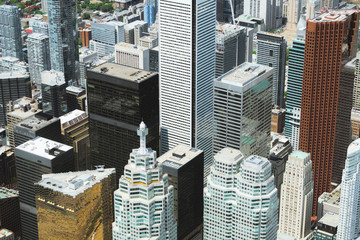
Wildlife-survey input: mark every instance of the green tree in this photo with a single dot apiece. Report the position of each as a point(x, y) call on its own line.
point(86, 15)
point(79, 41)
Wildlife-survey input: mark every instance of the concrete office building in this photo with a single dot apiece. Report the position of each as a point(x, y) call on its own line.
point(53, 87)
point(119, 97)
point(355, 124)
point(18, 111)
point(182, 164)
point(10, 32)
point(186, 105)
point(87, 59)
point(40, 124)
point(75, 133)
point(296, 197)
point(271, 51)
point(33, 159)
point(266, 9)
point(13, 85)
point(233, 187)
point(246, 128)
point(329, 202)
point(38, 55)
point(74, 97)
point(349, 216)
point(134, 31)
point(294, 86)
point(356, 92)
point(326, 227)
point(63, 44)
point(294, 13)
point(277, 120)
point(144, 193)
point(326, 109)
point(132, 56)
point(76, 205)
point(7, 167)
point(230, 47)
point(10, 211)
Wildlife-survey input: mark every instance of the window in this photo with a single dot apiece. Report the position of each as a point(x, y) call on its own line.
point(270, 64)
point(271, 53)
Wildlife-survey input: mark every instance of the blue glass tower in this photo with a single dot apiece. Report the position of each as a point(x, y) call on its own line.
point(150, 11)
point(294, 89)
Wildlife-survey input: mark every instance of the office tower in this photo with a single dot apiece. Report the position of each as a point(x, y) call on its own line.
point(18, 111)
point(13, 85)
point(10, 210)
point(39, 56)
point(294, 86)
point(296, 197)
point(227, 10)
point(154, 59)
point(186, 97)
point(73, 97)
point(328, 3)
point(76, 205)
point(44, 5)
point(105, 35)
point(150, 11)
point(75, 133)
point(182, 164)
point(119, 97)
point(271, 51)
point(294, 13)
point(7, 166)
point(2, 136)
point(279, 154)
point(244, 189)
point(356, 92)
point(355, 124)
point(6, 234)
point(33, 159)
point(53, 87)
point(329, 202)
point(230, 47)
point(62, 28)
point(10, 31)
point(132, 56)
point(39, 25)
point(261, 9)
point(149, 41)
point(87, 59)
point(134, 31)
point(40, 124)
point(245, 128)
point(350, 195)
point(151, 192)
point(277, 120)
point(326, 227)
point(326, 107)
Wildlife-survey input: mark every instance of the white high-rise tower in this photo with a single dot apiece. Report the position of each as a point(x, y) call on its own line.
point(144, 202)
point(296, 198)
point(349, 214)
point(240, 200)
point(187, 71)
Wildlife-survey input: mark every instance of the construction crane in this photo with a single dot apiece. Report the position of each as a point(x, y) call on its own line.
point(29, 7)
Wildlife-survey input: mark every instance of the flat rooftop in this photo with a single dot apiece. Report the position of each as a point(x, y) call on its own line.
point(123, 72)
point(74, 183)
point(52, 78)
point(330, 219)
point(354, 147)
point(129, 46)
point(72, 117)
point(36, 123)
point(133, 24)
point(74, 89)
point(355, 115)
point(8, 193)
point(300, 154)
point(228, 155)
point(334, 15)
point(181, 154)
point(332, 198)
point(43, 147)
point(38, 36)
point(244, 74)
point(14, 74)
point(256, 162)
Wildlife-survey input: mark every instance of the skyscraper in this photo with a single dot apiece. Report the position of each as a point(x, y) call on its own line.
point(63, 42)
point(38, 55)
point(327, 94)
point(296, 197)
point(10, 210)
point(242, 109)
point(271, 51)
point(226, 8)
point(119, 97)
point(294, 12)
point(150, 11)
point(349, 216)
point(240, 200)
point(10, 31)
point(356, 93)
point(144, 193)
point(33, 159)
point(294, 86)
point(182, 164)
point(53, 88)
point(187, 71)
point(76, 205)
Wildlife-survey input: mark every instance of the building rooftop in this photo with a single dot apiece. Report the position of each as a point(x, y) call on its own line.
point(5, 233)
point(123, 72)
point(334, 15)
point(72, 118)
point(300, 154)
point(44, 148)
point(332, 198)
point(37, 122)
point(52, 78)
point(24, 107)
point(256, 162)
point(14, 74)
point(243, 74)
point(355, 115)
point(228, 155)
point(8, 193)
point(74, 183)
point(74, 89)
point(354, 147)
point(330, 219)
point(38, 36)
point(281, 144)
point(133, 24)
point(131, 47)
point(180, 155)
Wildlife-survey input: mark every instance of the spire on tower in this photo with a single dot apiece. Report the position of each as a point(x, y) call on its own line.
point(142, 132)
